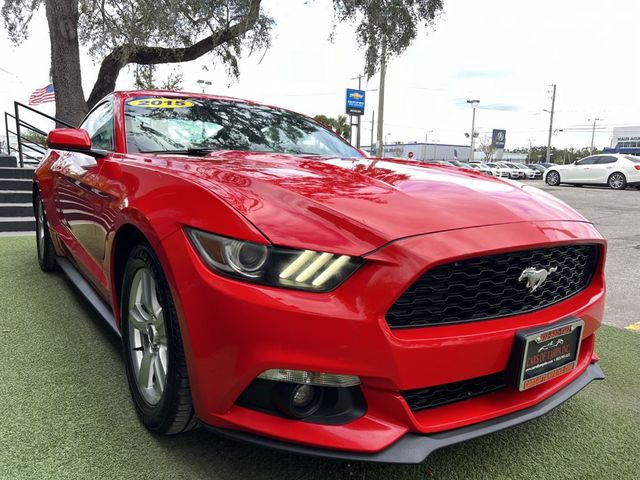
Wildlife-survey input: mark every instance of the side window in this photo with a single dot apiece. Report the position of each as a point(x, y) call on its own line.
point(587, 161)
point(99, 124)
point(607, 159)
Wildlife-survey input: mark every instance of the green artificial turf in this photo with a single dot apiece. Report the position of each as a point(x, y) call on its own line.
point(65, 410)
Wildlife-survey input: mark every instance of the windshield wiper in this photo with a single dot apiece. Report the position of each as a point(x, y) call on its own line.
point(186, 151)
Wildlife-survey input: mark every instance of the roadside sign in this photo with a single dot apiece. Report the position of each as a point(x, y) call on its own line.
point(355, 101)
point(498, 139)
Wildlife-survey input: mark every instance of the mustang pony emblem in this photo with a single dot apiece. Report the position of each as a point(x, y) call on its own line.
point(535, 277)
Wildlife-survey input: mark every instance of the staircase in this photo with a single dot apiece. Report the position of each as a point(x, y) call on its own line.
point(16, 209)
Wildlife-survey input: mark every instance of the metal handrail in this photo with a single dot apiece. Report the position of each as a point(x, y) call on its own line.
point(19, 124)
point(57, 120)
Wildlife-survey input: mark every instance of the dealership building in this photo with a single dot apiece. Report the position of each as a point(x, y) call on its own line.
point(625, 140)
point(424, 152)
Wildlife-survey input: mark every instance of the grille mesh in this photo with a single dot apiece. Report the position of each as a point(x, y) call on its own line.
point(430, 397)
point(487, 287)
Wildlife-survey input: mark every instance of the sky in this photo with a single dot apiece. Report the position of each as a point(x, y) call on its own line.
point(505, 53)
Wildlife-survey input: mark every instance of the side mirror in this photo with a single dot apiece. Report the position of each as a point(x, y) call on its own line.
point(74, 140)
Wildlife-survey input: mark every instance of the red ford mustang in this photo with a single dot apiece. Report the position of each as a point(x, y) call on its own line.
point(273, 284)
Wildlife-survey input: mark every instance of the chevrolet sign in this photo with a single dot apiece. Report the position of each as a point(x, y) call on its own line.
point(355, 101)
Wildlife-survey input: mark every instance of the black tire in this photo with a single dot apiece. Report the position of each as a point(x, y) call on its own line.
point(173, 412)
point(44, 245)
point(553, 178)
point(617, 181)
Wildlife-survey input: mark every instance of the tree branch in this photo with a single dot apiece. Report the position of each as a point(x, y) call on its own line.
point(147, 55)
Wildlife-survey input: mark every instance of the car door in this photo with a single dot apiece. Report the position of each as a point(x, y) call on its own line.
point(605, 165)
point(80, 197)
point(580, 171)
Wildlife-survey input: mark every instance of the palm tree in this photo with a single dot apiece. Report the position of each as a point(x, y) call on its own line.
point(340, 125)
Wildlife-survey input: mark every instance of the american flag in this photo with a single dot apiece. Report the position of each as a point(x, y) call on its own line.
point(42, 95)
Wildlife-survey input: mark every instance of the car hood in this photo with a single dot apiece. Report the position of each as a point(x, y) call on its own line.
point(353, 206)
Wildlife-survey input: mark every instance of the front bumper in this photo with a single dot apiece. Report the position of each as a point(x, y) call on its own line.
point(415, 448)
point(233, 331)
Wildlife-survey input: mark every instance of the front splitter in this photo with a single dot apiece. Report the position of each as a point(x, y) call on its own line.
point(415, 448)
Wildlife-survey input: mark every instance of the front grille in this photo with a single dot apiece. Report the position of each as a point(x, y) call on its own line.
point(487, 287)
point(430, 397)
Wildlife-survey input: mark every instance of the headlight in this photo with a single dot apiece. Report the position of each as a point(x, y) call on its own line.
point(274, 266)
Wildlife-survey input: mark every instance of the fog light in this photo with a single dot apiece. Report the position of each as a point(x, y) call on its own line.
point(297, 401)
point(302, 395)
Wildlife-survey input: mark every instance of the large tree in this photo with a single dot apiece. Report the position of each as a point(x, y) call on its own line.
point(151, 32)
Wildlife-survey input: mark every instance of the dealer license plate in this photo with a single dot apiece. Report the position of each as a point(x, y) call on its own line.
point(549, 353)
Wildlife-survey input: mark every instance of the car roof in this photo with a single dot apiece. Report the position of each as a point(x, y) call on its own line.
point(173, 93)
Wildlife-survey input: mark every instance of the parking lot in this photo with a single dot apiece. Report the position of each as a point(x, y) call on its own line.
point(617, 215)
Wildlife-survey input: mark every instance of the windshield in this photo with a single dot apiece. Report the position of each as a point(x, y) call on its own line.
point(165, 124)
point(632, 158)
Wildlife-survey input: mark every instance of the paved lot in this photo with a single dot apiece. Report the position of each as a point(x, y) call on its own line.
point(617, 215)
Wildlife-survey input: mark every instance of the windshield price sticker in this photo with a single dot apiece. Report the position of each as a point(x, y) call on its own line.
point(161, 103)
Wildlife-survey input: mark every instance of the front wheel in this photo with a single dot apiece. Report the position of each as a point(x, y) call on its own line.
point(153, 353)
point(617, 181)
point(553, 178)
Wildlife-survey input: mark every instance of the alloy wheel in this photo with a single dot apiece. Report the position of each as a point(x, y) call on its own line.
point(147, 337)
point(553, 178)
point(616, 181)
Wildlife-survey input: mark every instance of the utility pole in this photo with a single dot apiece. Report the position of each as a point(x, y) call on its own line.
point(373, 120)
point(553, 107)
point(383, 72)
point(474, 104)
point(359, 77)
point(593, 132)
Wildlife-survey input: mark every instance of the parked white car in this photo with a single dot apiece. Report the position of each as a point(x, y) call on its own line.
point(480, 167)
point(507, 170)
point(497, 170)
point(529, 172)
point(615, 170)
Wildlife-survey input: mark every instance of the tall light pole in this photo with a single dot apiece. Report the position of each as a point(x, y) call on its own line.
point(383, 72)
point(593, 132)
point(373, 121)
point(474, 104)
point(550, 112)
point(203, 83)
point(424, 150)
point(359, 77)
point(426, 134)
